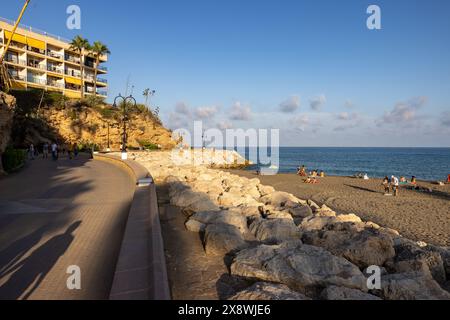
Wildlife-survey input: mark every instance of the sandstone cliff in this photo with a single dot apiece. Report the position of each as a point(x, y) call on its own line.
point(84, 122)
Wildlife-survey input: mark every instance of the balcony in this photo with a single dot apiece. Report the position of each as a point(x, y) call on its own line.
point(102, 68)
point(18, 45)
point(55, 55)
point(72, 73)
point(35, 80)
point(53, 83)
point(73, 59)
point(15, 60)
point(102, 80)
point(55, 69)
point(102, 93)
point(36, 50)
point(18, 77)
point(36, 65)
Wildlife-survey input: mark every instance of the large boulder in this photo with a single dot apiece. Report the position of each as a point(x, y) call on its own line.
point(268, 291)
point(265, 190)
point(410, 257)
point(274, 231)
point(445, 256)
point(343, 293)
point(230, 217)
point(304, 268)
point(364, 248)
point(223, 239)
point(278, 199)
point(312, 223)
point(411, 286)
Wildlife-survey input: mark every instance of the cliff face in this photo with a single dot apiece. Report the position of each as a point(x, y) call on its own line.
point(78, 123)
point(7, 106)
point(89, 125)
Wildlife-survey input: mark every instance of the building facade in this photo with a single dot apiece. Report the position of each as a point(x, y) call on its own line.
point(36, 59)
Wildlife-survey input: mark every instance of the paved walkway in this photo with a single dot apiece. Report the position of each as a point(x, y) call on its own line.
point(58, 214)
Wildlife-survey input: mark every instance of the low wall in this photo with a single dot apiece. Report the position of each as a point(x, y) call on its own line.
point(141, 272)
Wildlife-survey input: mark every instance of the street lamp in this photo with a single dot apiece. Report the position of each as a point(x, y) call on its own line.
point(126, 105)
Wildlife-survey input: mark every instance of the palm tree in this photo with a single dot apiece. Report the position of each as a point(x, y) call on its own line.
point(80, 45)
point(98, 49)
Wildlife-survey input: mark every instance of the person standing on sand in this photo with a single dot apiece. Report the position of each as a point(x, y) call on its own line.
point(54, 151)
point(385, 183)
point(395, 185)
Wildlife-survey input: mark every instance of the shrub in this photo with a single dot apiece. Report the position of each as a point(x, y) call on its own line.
point(148, 145)
point(13, 159)
point(93, 101)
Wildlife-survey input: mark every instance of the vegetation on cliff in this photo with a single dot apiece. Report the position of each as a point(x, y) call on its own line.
point(45, 117)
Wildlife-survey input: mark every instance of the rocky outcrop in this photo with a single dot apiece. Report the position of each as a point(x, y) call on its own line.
point(7, 106)
point(289, 247)
point(304, 268)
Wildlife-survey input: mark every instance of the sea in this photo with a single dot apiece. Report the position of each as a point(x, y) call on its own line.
point(432, 164)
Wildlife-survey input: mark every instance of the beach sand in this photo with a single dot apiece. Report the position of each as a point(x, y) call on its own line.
point(416, 215)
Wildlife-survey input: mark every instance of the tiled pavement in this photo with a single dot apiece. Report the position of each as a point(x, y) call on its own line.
point(57, 214)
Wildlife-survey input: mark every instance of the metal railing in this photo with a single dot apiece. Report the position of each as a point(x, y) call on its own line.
point(36, 65)
point(18, 77)
point(36, 80)
point(55, 55)
point(54, 69)
point(72, 73)
point(102, 80)
point(55, 84)
point(73, 59)
point(28, 28)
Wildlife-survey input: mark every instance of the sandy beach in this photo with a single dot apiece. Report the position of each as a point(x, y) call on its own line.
point(417, 215)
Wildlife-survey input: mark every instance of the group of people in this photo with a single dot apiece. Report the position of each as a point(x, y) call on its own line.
point(312, 176)
point(394, 184)
point(54, 149)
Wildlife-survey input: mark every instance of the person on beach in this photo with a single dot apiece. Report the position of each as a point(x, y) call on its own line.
point(395, 185)
point(301, 171)
point(386, 185)
point(322, 174)
point(413, 180)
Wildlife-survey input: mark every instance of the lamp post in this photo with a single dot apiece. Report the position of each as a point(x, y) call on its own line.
point(126, 105)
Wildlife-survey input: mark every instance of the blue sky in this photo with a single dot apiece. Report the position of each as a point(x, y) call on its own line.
point(310, 68)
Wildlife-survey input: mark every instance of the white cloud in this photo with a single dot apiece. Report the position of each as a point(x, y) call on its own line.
point(182, 108)
point(300, 122)
point(318, 102)
point(177, 121)
point(404, 112)
point(206, 112)
point(291, 104)
point(223, 125)
point(345, 116)
point(445, 119)
point(240, 112)
point(349, 104)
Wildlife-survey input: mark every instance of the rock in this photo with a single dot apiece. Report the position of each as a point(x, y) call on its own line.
point(251, 191)
point(314, 206)
point(229, 217)
point(275, 231)
point(300, 211)
point(342, 293)
point(271, 215)
point(324, 211)
point(195, 226)
point(222, 239)
point(363, 248)
point(278, 199)
point(411, 286)
point(251, 211)
point(410, 258)
point(445, 256)
point(312, 223)
point(265, 190)
point(268, 291)
point(230, 200)
point(303, 268)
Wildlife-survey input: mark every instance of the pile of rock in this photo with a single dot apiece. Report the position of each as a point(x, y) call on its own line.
point(295, 249)
point(7, 106)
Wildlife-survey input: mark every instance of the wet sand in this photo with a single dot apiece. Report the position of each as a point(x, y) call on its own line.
point(420, 216)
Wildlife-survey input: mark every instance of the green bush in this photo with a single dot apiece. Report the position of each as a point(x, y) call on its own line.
point(12, 159)
point(148, 145)
point(93, 101)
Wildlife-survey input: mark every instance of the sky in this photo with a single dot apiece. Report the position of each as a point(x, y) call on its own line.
point(309, 68)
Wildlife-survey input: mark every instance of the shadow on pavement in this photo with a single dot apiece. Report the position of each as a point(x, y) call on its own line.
point(29, 273)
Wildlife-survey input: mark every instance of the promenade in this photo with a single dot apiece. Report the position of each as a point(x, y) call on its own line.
point(59, 214)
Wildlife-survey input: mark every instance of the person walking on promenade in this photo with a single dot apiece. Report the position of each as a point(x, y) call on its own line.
point(45, 150)
point(31, 152)
point(70, 150)
point(395, 185)
point(75, 150)
point(54, 151)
